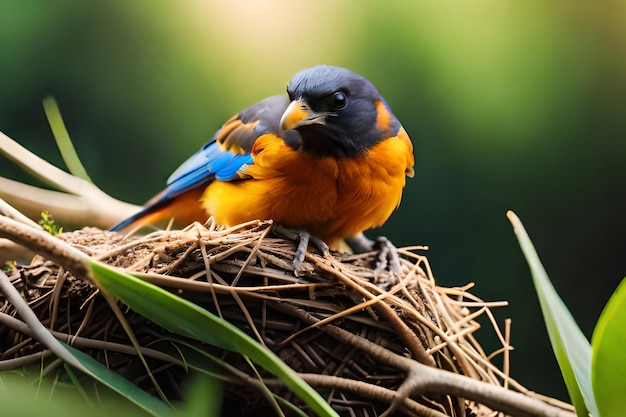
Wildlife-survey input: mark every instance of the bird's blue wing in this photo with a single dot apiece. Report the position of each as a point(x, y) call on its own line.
point(209, 163)
point(229, 150)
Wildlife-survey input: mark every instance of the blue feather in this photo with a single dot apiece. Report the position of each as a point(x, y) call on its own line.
point(209, 162)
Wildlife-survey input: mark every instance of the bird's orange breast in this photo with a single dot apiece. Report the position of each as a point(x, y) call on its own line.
point(332, 198)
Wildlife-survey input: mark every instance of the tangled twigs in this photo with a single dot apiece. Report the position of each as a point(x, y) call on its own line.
point(401, 328)
point(401, 343)
point(39, 332)
point(422, 379)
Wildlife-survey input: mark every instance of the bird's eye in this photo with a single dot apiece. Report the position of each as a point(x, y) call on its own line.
point(339, 99)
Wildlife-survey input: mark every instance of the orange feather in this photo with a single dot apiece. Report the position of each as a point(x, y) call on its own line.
point(329, 197)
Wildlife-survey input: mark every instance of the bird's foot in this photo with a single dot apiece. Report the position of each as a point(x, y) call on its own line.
point(387, 256)
point(387, 253)
point(303, 238)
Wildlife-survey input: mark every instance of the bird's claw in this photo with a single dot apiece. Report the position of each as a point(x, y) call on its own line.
point(303, 238)
point(387, 258)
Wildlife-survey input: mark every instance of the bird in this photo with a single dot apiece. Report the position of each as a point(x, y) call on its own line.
point(326, 161)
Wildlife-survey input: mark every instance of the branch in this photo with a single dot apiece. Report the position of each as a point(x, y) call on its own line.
point(47, 245)
point(77, 202)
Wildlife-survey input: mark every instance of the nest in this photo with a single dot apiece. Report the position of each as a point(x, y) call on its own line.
point(244, 275)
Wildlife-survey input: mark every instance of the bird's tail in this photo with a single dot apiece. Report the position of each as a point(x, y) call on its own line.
point(184, 208)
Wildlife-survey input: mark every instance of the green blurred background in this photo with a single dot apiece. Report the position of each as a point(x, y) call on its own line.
point(510, 105)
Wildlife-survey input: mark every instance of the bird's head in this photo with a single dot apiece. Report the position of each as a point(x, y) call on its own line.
point(337, 112)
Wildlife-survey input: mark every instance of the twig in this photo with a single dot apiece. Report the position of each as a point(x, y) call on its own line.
point(369, 391)
point(83, 342)
point(10, 364)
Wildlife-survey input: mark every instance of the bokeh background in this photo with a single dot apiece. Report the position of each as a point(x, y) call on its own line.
point(511, 105)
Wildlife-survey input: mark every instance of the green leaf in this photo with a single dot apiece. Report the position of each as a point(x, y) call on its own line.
point(187, 319)
point(571, 348)
point(608, 364)
point(121, 385)
point(48, 224)
point(62, 137)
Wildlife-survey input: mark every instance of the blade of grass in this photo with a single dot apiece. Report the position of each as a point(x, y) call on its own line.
point(117, 383)
point(76, 382)
point(199, 359)
point(187, 319)
point(571, 348)
point(608, 363)
point(62, 137)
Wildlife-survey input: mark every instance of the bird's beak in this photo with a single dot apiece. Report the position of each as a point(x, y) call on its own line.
point(299, 114)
